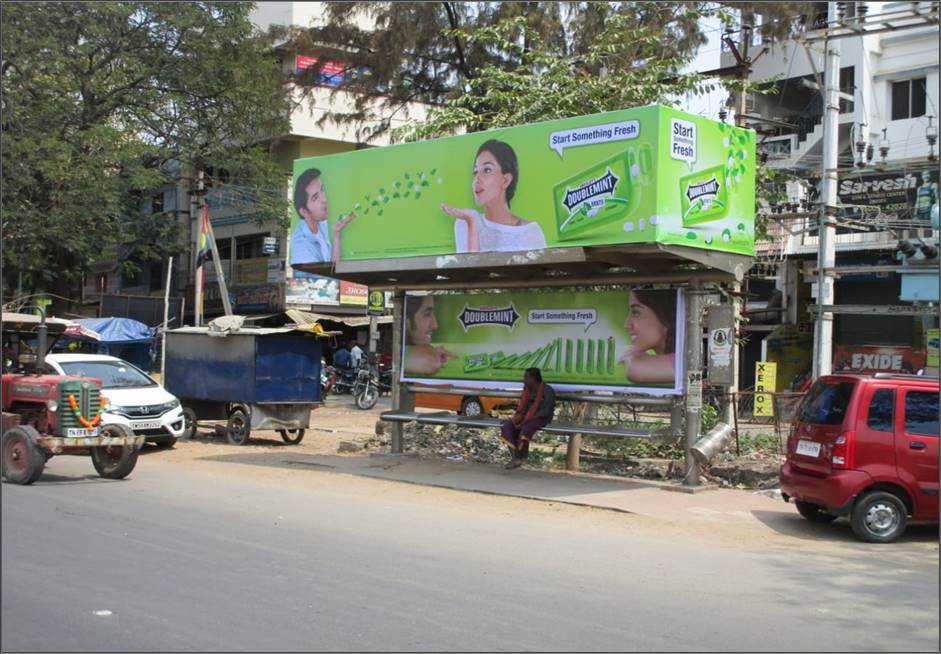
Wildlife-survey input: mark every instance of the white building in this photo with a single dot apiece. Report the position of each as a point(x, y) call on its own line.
point(889, 73)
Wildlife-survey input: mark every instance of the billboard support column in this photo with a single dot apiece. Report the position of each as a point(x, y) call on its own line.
point(693, 386)
point(402, 399)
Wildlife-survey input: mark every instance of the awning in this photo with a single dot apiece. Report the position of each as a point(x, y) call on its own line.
point(306, 317)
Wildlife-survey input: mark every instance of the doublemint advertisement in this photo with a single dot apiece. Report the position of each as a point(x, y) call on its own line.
point(651, 174)
point(619, 339)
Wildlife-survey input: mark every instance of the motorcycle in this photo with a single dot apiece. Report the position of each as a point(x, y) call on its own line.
point(340, 380)
point(371, 382)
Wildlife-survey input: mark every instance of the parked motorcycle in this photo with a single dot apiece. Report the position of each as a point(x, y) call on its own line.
point(371, 382)
point(340, 380)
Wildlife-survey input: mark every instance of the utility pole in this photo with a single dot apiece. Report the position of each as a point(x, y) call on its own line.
point(826, 250)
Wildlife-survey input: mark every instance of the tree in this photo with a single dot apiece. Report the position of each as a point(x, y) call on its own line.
point(105, 102)
point(436, 52)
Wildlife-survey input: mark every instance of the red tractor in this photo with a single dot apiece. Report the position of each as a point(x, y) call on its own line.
point(46, 414)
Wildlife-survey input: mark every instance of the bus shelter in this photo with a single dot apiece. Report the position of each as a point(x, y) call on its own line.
point(538, 233)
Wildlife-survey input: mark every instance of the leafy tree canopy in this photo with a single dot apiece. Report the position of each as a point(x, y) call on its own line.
point(104, 102)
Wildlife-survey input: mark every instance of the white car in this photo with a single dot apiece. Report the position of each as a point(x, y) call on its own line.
point(134, 399)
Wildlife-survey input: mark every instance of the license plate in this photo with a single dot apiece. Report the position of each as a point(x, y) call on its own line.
point(78, 431)
point(808, 448)
point(146, 424)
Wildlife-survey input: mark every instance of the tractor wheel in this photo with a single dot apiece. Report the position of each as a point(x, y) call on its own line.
point(239, 427)
point(23, 460)
point(115, 461)
point(189, 423)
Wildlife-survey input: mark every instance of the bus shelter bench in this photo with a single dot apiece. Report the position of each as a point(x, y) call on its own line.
point(560, 428)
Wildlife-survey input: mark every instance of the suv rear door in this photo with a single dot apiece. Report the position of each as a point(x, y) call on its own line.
point(819, 422)
point(917, 446)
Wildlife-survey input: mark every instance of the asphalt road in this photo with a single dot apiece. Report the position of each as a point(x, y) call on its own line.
point(224, 557)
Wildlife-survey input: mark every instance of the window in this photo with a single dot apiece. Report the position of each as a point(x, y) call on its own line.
point(250, 247)
point(921, 413)
point(826, 403)
point(908, 98)
point(224, 246)
point(882, 410)
point(156, 203)
point(848, 86)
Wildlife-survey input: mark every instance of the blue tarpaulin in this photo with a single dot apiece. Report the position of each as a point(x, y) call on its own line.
point(124, 338)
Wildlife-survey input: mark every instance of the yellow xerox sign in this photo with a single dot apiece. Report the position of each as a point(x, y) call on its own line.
point(766, 374)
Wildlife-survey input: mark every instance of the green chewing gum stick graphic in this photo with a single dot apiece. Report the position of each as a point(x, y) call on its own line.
point(597, 196)
point(610, 366)
point(496, 358)
point(476, 362)
point(599, 366)
point(704, 196)
point(579, 355)
point(590, 357)
point(558, 354)
point(568, 355)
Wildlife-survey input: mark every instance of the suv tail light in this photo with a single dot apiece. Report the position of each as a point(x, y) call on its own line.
point(841, 456)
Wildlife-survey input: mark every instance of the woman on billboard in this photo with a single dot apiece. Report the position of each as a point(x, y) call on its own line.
point(651, 321)
point(497, 229)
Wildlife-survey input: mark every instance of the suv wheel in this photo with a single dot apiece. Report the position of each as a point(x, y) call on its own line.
point(879, 517)
point(814, 512)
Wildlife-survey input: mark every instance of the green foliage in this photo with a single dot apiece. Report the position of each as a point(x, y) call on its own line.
point(105, 102)
point(480, 55)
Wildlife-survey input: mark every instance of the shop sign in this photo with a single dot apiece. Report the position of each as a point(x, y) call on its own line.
point(312, 289)
point(877, 358)
point(351, 293)
point(766, 377)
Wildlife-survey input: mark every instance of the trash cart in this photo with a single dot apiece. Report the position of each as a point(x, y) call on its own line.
point(251, 377)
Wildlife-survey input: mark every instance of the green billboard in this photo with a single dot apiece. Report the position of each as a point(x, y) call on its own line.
point(618, 339)
point(651, 174)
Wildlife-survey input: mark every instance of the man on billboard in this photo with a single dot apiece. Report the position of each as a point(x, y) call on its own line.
point(311, 241)
point(925, 197)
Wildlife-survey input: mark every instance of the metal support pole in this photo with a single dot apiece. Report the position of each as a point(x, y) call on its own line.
point(373, 335)
point(826, 251)
point(402, 398)
point(677, 410)
point(693, 388)
point(736, 288)
point(166, 320)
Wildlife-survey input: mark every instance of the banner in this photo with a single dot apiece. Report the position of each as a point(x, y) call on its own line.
point(617, 340)
point(878, 358)
point(903, 195)
point(311, 290)
point(766, 379)
point(645, 175)
point(351, 293)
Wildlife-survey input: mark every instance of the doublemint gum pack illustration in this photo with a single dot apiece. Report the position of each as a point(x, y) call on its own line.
point(597, 196)
point(704, 196)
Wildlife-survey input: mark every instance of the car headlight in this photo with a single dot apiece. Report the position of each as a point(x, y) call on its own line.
point(52, 405)
point(174, 403)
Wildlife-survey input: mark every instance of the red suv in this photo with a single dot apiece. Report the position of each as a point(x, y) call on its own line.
point(865, 446)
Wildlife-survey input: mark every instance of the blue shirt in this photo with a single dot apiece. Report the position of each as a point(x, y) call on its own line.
point(307, 247)
point(342, 358)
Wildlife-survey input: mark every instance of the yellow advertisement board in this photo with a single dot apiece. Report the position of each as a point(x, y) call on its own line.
point(766, 373)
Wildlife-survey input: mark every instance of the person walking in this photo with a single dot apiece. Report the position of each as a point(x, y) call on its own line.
point(535, 411)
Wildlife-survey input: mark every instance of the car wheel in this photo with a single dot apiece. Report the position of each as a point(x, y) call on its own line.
point(879, 517)
point(115, 461)
point(292, 436)
point(189, 423)
point(239, 427)
point(23, 459)
point(472, 408)
point(814, 512)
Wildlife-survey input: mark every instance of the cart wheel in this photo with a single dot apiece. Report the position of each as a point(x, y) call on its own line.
point(115, 461)
point(23, 459)
point(292, 436)
point(189, 423)
point(239, 427)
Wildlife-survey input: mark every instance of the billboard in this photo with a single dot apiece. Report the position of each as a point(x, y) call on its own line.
point(616, 340)
point(904, 195)
point(644, 175)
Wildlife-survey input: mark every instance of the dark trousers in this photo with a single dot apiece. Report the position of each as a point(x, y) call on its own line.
point(517, 438)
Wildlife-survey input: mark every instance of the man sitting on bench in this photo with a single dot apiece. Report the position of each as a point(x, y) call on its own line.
point(535, 411)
